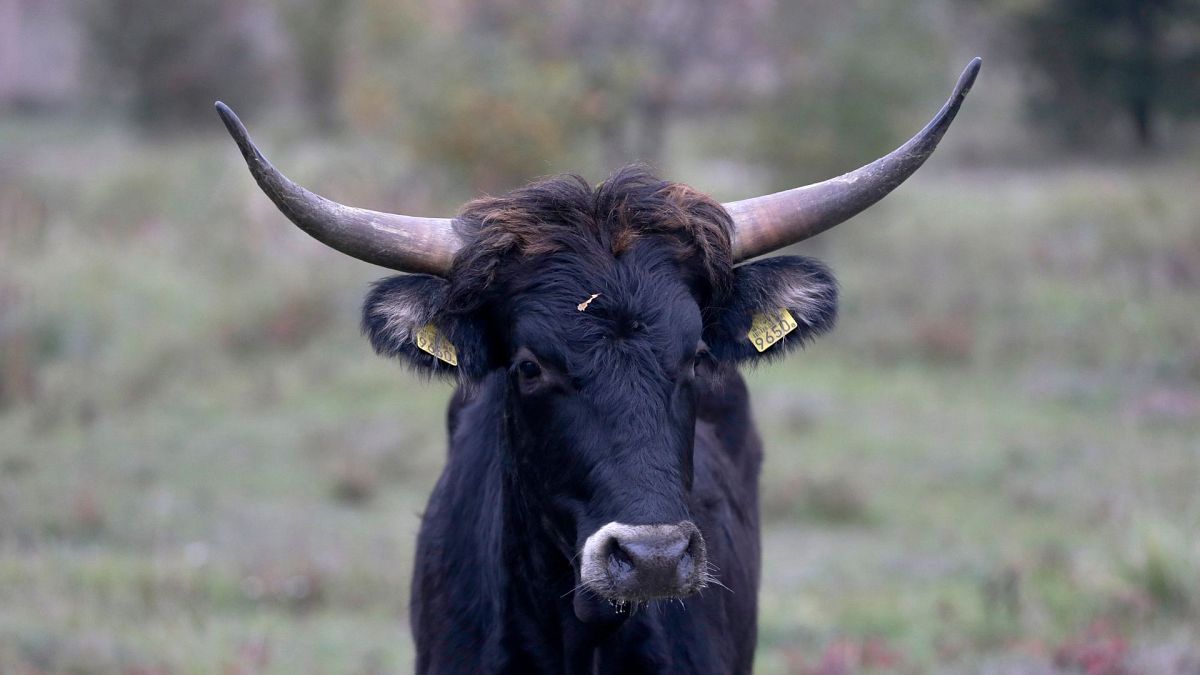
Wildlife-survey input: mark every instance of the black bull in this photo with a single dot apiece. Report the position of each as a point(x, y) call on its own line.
point(598, 511)
point(621, 424)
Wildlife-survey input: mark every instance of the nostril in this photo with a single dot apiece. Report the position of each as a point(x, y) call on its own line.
point(621, 557)
point(619, 561)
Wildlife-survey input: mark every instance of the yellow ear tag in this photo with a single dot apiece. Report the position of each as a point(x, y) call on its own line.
point(431, 341)
point(767, 329)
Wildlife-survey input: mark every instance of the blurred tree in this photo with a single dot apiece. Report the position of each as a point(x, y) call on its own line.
point(504, 119)
point(856, 80)
point(477, 108)
point(169, 61)
point(316, 29)
point(1135, 60)
point(646, 64)
point(501, 91)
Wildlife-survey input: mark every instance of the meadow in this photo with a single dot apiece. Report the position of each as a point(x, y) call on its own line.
point(991, 466)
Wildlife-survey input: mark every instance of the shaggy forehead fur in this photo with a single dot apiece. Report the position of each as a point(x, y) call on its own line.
point(565, 215)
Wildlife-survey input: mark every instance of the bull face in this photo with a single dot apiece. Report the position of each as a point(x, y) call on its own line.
point(602, 328)
point(604, 406)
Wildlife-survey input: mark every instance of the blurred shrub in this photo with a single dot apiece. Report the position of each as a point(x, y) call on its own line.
point(18, 381)
point(167, 62)
point(24, 211)
point(948, 339)
point(1100, 649)
point(1161, 565)
point(354, 482)
point(837, 499)
point(287, 323)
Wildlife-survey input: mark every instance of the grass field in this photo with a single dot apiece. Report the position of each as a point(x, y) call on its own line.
point(991, 466)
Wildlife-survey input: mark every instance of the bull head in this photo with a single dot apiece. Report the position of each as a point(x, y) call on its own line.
point(761, 224)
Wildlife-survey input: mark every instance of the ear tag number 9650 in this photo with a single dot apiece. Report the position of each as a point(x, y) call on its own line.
point(433, 342)
point(767, 329)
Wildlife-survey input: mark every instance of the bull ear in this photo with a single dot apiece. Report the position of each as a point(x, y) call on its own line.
point(404, 316)
point(776, 305)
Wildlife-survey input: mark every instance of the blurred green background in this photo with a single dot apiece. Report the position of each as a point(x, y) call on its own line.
point(991, 466)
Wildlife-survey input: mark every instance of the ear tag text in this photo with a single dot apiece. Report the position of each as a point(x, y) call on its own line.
point(767, 329)
point(431, 341)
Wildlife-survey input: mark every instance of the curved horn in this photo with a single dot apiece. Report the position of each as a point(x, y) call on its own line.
point(404, 243)
point(764, 224)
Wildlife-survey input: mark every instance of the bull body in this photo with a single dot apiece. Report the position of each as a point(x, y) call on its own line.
point(598, 512)
point(493, 594)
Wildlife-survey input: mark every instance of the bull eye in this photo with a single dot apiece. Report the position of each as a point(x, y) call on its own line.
point(529, 370)
point(702, 363)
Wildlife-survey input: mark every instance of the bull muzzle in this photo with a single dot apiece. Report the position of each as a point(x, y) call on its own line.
point(636, 563)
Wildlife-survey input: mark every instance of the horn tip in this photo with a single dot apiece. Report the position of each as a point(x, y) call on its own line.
point(238, 131)
point(229, 117)
point(967, 79)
